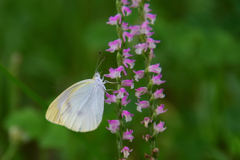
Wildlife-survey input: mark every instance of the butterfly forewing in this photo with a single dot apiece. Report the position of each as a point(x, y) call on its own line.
point(80, 107)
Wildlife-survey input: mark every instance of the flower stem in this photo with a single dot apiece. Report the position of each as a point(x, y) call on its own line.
point(10, 151)
point(119, 58)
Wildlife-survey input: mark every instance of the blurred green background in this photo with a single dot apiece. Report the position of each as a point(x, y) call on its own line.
point(50, 44)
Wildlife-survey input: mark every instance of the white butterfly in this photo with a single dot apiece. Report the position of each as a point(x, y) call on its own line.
point(80, 107)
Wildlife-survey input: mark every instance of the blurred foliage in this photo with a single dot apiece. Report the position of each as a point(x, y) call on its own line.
point(49, 45)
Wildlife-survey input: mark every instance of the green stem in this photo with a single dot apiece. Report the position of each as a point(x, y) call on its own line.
point(23, 87)
point(10, 151)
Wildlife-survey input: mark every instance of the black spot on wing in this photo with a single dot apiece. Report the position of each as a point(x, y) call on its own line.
point(79, 113)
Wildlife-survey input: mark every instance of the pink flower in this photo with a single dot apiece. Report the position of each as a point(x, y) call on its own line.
point(128, 115)
point(114, 73)
point(115, 45)
point(125, 2)
point(124, 101)
point(129, 62)
point(159, 128)
point(114, 20)
point(140, 47)
point(158, 94)
point(151, 17)
point(124, 26)
point(147, 137)
point(160, 110)
point(134, 30)
point(113, 125)
point(146, 121)
point(128, 82)
point(146, 8)
point(121, 93)
point(135, 3)
point(142, 104)
point(128, 135)
point(151, 42)
point(145, 29)
point(127, 10)
point(126, 151)
point(126, 53)
point(157, 79)
point(140, 91)
point(111, 98)
point(130, 37)
point(155, 68)
point(139, 74)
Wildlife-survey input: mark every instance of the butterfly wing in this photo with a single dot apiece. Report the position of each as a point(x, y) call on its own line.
point(79, 108)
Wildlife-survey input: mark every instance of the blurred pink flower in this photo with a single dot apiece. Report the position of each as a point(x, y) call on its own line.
point(128, 115)
point(142, 104)
point(111, 98)
point(128, 135)
point(113, 125)
point(113, 20)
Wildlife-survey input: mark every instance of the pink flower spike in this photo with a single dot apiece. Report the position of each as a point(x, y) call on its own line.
point(126, 151)
point(139, 74)
point(135, 3)
point(151, 17)
point(159, 128)
point(114, 73)
point(140, 47)
point(158, 94)
point(142, 104)
point(129, 62)
point(155, 68)
point(124, 26)
point(140, 91)
point(113, 125)
point(146, 121)
point(114, 20)
point(151, 42)
point(111, 98)
point(128, 135)
point(124, 101)
point(160, 110)
point(121, 93)
point(126, 53)
point(126, 34)
point(125, 2)
point(115, 45)
point(128, 115)
point(127, 10)
point(128, 82)
point(134, 30)
point(146, 8)
point(157, 79)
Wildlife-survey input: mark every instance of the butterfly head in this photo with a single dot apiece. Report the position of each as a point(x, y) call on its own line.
point(96, 76)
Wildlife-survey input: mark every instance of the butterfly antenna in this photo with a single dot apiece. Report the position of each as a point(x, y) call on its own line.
point(100, 63)
point(97, 60)
point(97, 66)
